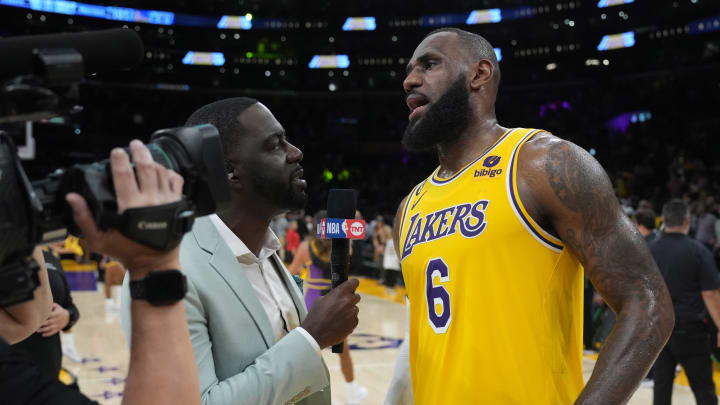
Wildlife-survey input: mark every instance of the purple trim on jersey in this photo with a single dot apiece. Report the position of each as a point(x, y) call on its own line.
point(449, 179)
point(517, 206)
point(312, 294)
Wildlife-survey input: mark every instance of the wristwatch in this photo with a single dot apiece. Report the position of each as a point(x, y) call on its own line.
point(164, 287)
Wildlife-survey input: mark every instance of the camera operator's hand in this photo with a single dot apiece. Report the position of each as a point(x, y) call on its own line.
point(162, 366)
point(334, 316)
point(154, 185)
point(57, 321)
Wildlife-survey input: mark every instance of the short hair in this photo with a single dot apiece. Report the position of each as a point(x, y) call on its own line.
point(645, 204)
point(477, 48)
point(674, 212)
point(223, 114)
point(645, 217)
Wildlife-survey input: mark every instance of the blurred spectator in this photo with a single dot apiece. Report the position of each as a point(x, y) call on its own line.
point(292, 241)
point(391, 265)
point(645, 222)
point(707, 223)
point(279, 226)
point(114, 274)
point(309, 226)
point(381, 234)
point(694, 284)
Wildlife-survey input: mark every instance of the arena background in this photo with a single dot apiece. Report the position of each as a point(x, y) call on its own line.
point(636, 83)
point(649, 109)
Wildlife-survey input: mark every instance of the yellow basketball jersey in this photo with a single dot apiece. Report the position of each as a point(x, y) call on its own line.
point(495, 301)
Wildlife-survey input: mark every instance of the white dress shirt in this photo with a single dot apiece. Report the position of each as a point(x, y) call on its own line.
point(265, 280)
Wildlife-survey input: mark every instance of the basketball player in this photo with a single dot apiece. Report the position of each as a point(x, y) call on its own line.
point(493, 244)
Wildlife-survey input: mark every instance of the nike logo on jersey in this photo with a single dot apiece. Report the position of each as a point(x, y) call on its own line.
point(417, 201)
point(468, 219)
point(417, 193)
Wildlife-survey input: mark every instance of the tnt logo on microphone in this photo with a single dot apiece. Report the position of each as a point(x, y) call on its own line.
point(337, 228)
point(357, 228)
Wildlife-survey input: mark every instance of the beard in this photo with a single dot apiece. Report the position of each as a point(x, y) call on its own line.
point(443, 122)
point(278, 191)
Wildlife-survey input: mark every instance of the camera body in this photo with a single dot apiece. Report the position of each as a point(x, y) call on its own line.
point(35, 213)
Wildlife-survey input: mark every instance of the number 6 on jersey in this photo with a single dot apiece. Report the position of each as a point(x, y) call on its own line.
point(437, 295)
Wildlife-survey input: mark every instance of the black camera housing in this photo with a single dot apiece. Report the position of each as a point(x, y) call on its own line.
point(38, 213)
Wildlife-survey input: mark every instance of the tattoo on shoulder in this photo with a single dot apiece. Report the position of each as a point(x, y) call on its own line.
point(577, 187)
point(602, 239)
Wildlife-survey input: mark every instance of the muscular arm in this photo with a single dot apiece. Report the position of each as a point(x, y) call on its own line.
point(19, 321)
point(568, 191)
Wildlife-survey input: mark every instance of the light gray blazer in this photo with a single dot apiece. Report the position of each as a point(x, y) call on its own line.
point(238, 362)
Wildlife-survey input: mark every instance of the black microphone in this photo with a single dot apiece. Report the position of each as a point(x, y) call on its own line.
point(101, 50)
point(341, 204)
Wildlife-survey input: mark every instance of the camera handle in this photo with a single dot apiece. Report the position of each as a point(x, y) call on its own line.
point(160, 227)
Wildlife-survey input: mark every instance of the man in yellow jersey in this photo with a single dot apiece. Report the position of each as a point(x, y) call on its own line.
point(493, 245)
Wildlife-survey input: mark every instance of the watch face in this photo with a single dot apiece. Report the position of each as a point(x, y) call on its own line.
point(165, 287)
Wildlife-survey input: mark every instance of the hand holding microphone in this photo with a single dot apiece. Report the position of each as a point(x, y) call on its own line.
point(333, 317)
point(337, 311)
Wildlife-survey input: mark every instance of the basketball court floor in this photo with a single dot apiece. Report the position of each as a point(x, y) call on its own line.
point(104, 352)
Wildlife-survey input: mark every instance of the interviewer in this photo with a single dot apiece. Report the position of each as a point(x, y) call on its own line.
point(162, 368)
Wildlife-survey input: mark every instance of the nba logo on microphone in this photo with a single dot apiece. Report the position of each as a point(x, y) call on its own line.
point(321, 229)
point(331, 228)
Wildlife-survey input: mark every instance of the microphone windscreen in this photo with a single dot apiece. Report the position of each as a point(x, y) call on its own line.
point(341, 203)
point(102, 51)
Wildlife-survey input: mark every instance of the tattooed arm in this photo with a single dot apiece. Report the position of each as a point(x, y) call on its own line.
point(566, 190)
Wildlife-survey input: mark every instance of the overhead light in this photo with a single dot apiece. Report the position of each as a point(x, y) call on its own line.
point(606, 62)
point(551, 66)
point(615, 41)
point(235, 22)
point(492, 15)
point(332, 87)
point(359, 24)
point(329, 62)
point(609, 3)
point(204, 58)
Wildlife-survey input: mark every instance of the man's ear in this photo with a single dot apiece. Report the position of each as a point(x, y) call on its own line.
point(482, 72)
point(235, 178)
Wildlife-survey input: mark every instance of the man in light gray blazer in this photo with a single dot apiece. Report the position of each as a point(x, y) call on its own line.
point(254, 341)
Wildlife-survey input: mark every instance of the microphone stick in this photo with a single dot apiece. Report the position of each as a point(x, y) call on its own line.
point(341, 204)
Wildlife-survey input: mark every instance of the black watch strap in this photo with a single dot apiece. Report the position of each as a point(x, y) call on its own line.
point(164, 287)
point(137, 289)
